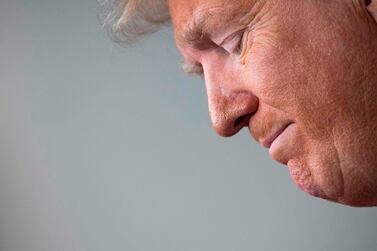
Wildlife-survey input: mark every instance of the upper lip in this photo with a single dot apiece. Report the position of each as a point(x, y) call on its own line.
point(270, 138)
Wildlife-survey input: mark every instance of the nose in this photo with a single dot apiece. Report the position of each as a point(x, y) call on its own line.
point(231, 112)
point(231, 104)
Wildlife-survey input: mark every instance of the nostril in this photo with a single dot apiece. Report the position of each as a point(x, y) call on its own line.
point(241, 121)
point(230, 112)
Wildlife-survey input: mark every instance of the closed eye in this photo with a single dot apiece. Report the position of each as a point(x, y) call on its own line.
point(239, 48)
point(233, 43)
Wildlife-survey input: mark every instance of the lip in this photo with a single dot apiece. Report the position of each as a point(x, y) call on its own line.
point(267, 142)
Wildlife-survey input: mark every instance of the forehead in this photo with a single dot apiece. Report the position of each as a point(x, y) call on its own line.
point(198, 17)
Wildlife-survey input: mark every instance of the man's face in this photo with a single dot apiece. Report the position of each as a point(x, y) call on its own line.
point(301, 75)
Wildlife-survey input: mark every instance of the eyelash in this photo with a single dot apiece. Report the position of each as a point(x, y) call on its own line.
point(197, 68)
point(237, 47)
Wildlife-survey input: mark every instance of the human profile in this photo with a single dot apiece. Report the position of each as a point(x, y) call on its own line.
point(300, 75)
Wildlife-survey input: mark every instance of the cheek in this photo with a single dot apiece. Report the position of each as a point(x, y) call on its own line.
point(274, 78)
point(300, 80)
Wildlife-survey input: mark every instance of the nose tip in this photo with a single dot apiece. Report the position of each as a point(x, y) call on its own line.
point(226, 128)
point(230, 114)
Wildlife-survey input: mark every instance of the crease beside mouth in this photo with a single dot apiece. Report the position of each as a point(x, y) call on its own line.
point(268, 143)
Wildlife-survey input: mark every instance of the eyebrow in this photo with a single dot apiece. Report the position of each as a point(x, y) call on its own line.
point(195, 34)
point(204, 22)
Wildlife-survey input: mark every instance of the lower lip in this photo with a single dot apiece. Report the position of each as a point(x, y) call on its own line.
point(279, 147)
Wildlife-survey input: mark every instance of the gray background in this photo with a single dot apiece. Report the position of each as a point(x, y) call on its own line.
point(108, 148)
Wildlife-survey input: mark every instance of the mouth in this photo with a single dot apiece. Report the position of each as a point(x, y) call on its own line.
point(268, 141)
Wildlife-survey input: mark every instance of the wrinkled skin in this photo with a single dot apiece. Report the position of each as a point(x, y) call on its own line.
point(305, 70)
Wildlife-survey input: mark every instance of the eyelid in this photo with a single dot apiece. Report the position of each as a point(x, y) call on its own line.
point(231, 43)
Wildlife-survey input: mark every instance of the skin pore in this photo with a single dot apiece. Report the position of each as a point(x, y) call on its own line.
point(301, 75)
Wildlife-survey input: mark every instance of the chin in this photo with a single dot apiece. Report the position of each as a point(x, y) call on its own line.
point(331, 188)
point(304, 180)
point(359, 200)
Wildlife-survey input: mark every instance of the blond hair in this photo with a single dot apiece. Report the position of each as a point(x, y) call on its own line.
point(128, 20)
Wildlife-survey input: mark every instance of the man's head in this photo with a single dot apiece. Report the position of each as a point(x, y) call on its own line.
point(301, 75)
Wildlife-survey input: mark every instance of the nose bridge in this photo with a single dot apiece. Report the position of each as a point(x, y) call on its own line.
point(230, 102)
